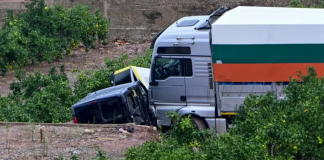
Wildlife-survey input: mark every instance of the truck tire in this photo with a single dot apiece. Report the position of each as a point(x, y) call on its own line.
point(200, 124)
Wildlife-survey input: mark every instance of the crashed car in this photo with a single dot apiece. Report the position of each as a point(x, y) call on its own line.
point(125, 103)
point(131, 74)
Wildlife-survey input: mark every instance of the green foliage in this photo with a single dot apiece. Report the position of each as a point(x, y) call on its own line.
point(92, 81)
point(43, 33)
point(5, 107)
point(265, 128)
point(290, 128)
point(296, 4)
point(299, 4)
point(74, 157)
point(38, 98)
point(101, 155)
point(182, 143)
point(173, 116)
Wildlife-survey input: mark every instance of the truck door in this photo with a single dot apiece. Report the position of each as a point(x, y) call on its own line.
point(170, 88)
point(199, 81)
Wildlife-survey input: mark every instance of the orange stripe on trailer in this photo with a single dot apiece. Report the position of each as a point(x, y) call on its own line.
point(279, 72)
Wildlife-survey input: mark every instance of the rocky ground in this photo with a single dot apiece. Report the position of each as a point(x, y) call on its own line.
point(24, 141)
point(92, 60)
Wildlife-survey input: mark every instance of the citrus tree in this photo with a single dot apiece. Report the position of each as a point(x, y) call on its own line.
point(38, 98)
point(44, 33)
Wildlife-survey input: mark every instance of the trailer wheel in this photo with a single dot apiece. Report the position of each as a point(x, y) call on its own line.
point(200, 124)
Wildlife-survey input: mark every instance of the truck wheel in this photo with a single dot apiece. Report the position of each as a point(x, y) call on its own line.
point(200, 124)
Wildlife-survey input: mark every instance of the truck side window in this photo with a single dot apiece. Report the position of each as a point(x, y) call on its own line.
point(167, 67)
point(172, 67)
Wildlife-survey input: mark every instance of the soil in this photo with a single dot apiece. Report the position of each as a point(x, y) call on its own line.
point(79, 59)
point(24, 141)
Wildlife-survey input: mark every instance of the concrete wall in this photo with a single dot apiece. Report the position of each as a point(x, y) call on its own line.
point(140, 20)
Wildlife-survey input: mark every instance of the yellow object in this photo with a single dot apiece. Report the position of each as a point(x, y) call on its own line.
point(127, 68)
point(122, 70)
point(229, 114)
point(320, 141)
point(137, 74)
point(134, 92)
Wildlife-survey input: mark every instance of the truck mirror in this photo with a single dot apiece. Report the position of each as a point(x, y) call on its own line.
point(220, 11)
point(155, 38)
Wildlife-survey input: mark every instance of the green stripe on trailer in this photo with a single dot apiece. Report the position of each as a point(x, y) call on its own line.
point(268, 53)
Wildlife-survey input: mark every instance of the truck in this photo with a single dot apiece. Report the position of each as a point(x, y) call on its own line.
point(206, 66)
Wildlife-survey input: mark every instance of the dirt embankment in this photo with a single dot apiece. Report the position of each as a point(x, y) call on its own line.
point(23, 142)
point(92, 60)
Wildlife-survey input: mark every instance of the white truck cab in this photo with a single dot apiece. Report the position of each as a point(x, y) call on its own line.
point(181, 76)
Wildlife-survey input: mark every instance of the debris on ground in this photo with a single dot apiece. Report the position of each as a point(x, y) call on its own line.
point(121, 42)
point(88, 131)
